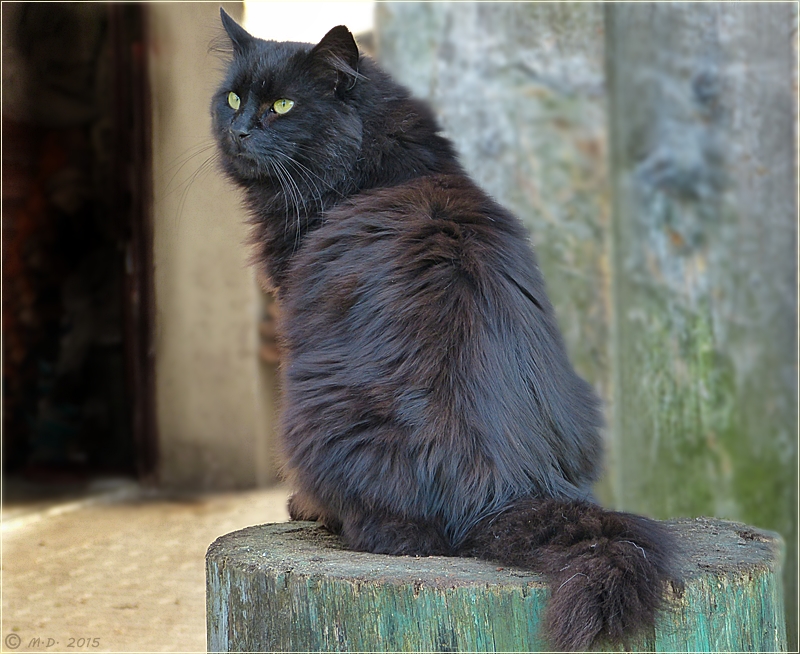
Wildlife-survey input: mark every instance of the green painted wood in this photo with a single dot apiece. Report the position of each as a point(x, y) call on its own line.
point(293, 587)
point(703, 151)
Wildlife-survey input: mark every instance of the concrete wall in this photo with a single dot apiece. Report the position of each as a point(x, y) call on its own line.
point(214, 406)
point(705, 264)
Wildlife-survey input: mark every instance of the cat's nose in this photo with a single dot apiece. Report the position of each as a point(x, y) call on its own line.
point(239, 134)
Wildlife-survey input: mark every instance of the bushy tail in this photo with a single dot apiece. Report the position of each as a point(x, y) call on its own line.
point(607, 570)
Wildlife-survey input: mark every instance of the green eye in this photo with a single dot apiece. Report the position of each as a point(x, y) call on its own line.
point(282, 106)
point(233, 101)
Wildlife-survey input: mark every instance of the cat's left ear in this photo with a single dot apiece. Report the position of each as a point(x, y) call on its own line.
point(240, 38)
point(338, 50)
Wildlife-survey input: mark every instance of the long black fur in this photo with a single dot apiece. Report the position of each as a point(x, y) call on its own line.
point(430, 407)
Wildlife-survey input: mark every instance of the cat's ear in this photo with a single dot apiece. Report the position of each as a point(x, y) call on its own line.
point(338, 44)
point(338, 51)
point(240, 38)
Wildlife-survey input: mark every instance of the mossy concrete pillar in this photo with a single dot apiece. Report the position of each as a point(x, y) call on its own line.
point(704, 267)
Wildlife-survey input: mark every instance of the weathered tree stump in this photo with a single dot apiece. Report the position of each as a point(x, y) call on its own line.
point(293, 587)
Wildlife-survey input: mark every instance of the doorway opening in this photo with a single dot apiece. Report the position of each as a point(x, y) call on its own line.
point(78, 400)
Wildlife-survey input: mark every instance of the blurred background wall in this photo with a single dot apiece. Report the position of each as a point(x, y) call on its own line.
point(650, 149)
point(213, 408)
point(703, 154)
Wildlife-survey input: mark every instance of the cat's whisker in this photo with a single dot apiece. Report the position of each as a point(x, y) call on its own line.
point(327, 184)
point(312, 173)
point(297, 194)
point(190, 152)
point(182, 161)
point(294, 197)
point(279, 176)
point(316, 195)
point(202, 169)
point(299, 199)
point(306, 173)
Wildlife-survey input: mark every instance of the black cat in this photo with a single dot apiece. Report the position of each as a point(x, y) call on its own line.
point(430, 407)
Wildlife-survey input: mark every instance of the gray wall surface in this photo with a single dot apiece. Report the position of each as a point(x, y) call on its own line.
point(705, 253)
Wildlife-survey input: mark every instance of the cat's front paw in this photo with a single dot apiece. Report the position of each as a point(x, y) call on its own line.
point(300, 509)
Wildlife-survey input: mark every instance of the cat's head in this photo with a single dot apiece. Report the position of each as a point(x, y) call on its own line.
point(284, 113)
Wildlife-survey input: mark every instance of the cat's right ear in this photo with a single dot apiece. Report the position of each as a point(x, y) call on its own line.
point(239, 37)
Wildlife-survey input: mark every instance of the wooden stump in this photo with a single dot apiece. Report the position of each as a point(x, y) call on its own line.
point(293, 587)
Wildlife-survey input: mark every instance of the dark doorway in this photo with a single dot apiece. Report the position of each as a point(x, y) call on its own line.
point(77, 264)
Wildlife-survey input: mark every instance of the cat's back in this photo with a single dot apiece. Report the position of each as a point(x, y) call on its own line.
point(421, 305)
point(436, 223)
point(416, 252)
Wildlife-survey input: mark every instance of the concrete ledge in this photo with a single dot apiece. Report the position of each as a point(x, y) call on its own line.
point(293, 587)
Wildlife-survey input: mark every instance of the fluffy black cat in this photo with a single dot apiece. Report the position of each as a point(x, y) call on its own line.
point(430, 407)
